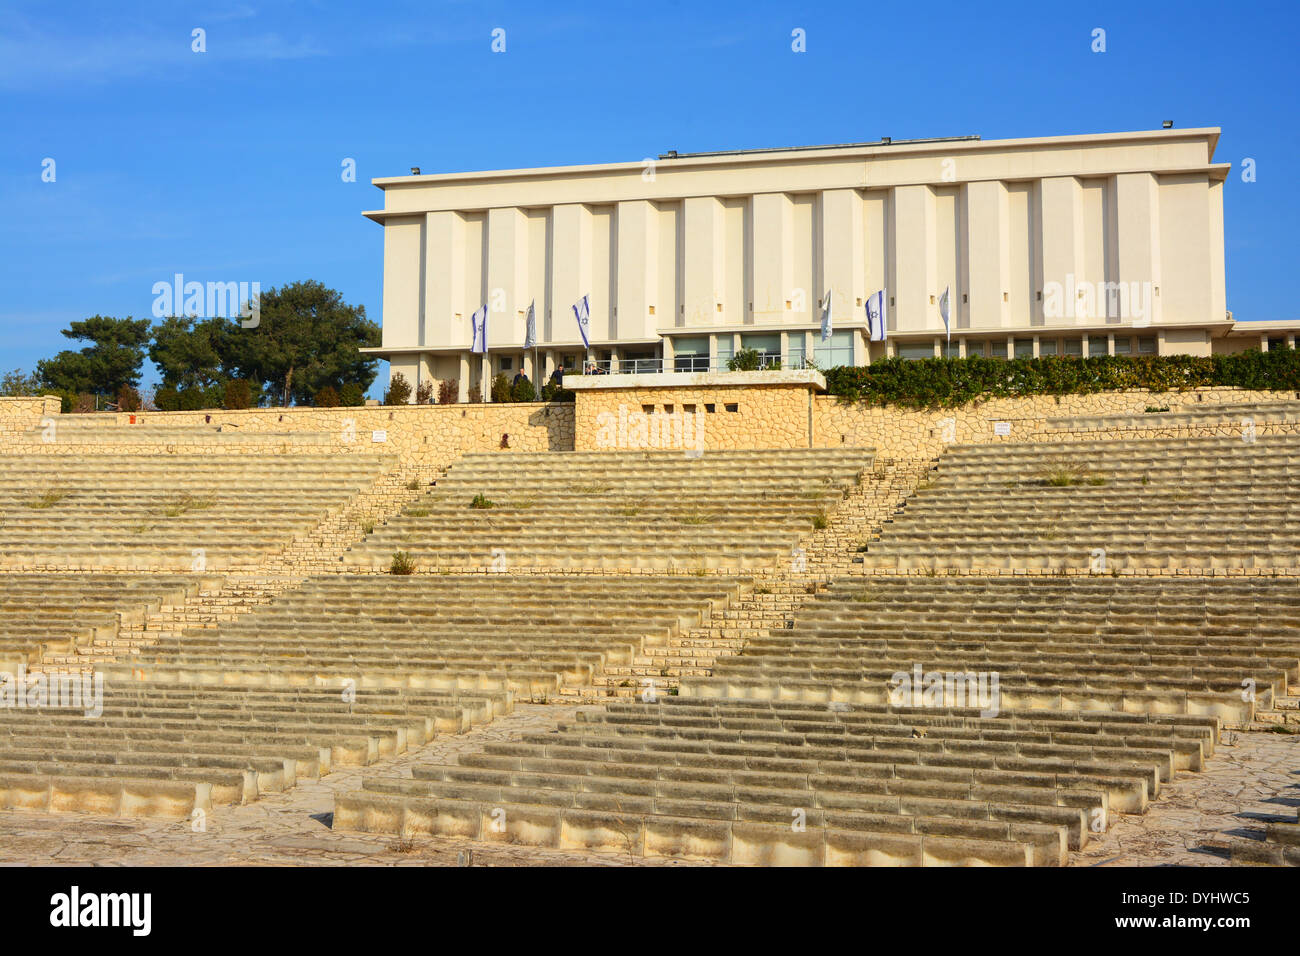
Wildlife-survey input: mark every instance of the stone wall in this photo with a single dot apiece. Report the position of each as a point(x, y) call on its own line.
point(700, 417)
point(19, 416)
point(430, 435)
point(896, 432)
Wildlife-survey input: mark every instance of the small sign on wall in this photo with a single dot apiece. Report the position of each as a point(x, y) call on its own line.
point(1002, 428)
point(379, 435)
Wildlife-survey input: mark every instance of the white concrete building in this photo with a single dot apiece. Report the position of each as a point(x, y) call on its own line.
point(1068, 245)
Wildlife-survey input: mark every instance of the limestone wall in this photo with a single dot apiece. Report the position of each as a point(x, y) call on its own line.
point(20, 415)
point(697, 417)
point(748, 416)
point(423, 434)
point(903, 433)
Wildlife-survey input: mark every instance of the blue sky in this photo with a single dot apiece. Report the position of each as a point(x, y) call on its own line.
point(225, 165)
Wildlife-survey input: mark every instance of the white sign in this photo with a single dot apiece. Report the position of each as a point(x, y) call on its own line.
point(378, 435)
point(1002, 428)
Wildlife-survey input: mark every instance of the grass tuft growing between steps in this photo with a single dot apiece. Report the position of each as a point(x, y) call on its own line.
point(185, 504)
point(403, 563)
point(47, 499)
point(482, 501)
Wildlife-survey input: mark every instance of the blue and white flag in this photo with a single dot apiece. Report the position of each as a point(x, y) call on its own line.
point(943, 310)
point(530, 327)
point(582, 312)
point(876, 325)
point(826, 318)
point(479, 323)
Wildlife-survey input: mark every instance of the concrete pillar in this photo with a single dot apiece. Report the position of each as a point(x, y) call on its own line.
point(772, 269)
point(987, 243)
point(462, 378)
point(913, 267)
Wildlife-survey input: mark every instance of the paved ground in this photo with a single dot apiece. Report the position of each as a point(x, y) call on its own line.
point(1253, 777)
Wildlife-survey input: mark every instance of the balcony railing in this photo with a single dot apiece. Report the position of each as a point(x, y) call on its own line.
point(680, 363)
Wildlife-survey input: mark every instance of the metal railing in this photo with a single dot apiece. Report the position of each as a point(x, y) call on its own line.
point(681, 363)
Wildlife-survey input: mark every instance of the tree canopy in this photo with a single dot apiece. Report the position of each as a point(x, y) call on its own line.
point(111, 361)
point(307, 337)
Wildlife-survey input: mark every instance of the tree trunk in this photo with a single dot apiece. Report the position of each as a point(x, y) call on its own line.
point(288, 378)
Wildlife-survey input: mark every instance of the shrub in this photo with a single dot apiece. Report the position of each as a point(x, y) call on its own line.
point(238, 394)
point(949, 382)
point(552, 392)
point(326, 397)
point(167, 399)
point(748, 360)
point(403, 563)
point(523, 391)
point(424, 393)
point(399, 390)
point(448, 389)
point(500, 388)
point(351, 395)
point(481, 501)
point(128, 399)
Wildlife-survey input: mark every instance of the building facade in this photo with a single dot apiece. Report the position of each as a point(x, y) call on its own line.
point(1070, 245)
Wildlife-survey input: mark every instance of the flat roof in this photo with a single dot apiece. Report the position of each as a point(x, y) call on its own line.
point(741, 157)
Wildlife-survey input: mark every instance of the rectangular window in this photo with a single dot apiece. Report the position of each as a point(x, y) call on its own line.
point(1147, 345)
point(1123, 345)
point(795, 357)
point(691, 354)
point(1024, 348)
point(838, 351)
point(1073, 347)
point(1097, 345)
point(914, 352)
point(726, 350)
point(974, 349)
point(768, 348)
point(507, 363)
point(1047, 346)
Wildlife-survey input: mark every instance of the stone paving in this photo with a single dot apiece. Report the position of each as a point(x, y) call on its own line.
point(1253, 777)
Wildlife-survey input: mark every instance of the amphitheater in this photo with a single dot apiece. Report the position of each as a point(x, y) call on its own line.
point(1033, 632)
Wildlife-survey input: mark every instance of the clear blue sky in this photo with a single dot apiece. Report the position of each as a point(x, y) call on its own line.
point(225, 165)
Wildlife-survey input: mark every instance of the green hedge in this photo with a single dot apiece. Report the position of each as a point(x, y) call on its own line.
point(949, 382)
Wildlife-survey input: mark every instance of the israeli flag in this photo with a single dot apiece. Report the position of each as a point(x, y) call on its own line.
point(876, 326)
point(479, 323)
point(530, 327)
point(826, 318)
point(582, 312)
point(943, 310)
